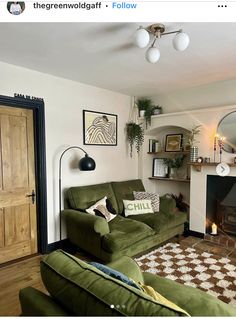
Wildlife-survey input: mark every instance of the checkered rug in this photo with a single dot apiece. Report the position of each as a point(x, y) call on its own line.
point(213, 274)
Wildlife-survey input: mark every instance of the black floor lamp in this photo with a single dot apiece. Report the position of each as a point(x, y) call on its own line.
point(86, 163)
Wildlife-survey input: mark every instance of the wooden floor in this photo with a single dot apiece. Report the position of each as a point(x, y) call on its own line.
point(15, 276)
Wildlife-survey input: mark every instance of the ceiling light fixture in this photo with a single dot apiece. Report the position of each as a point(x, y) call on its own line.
point(156, 31)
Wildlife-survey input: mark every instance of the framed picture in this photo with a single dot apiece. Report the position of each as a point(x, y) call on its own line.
point(160, 169)
point(174, 142)
point(99, 128)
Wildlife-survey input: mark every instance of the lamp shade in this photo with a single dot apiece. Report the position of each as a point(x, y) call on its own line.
point(152, 55)
point(181, 41)
point(142, 38)
point(87, 163)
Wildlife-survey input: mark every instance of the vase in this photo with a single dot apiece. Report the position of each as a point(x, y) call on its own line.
point(141, 113)
point(173, 172)
point(193, 153)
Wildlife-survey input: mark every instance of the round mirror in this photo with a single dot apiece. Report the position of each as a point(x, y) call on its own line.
point(227, 128)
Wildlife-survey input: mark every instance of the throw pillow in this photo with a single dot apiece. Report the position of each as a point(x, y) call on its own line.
point(109, 207)
point(102, 211)
point(152, 196)
point(102, 202)
point(137, 207)
point(115, 274)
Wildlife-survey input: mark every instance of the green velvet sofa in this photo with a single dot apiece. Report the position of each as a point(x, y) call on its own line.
point(77, 288)
point(121, 236)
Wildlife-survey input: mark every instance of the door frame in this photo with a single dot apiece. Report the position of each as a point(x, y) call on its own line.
point(37, 106)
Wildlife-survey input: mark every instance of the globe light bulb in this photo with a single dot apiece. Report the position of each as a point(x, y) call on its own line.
point(142, 38)
point(181, 41)
point(152, 55)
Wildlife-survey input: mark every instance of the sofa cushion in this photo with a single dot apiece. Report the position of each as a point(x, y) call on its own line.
point(161, 221)
point(82, 197)
point(137, 207)
point(115, 274)
point(154, 197)
point(124, 190)
point(123, 233)
point(86, 291)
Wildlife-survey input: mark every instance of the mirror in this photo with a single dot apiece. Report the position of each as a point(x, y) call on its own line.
point(227, 128)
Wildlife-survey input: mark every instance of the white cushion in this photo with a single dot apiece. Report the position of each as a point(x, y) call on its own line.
point(101, 207)
point(137, 207)
point(102, 202)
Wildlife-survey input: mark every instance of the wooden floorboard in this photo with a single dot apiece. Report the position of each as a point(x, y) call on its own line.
point(14, 277)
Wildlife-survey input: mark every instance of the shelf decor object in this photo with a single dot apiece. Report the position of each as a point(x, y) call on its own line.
point(86, 163)
point(221, 145)
point(160, 169)
point(174, 142)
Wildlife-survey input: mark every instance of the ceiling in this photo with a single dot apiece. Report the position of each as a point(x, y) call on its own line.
point(102, 54)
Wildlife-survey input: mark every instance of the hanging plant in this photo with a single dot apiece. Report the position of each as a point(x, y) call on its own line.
point(135, 136)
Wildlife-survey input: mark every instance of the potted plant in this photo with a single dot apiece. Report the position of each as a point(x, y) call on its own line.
point(192, 141)
point(174, 164)
point(157, 109)
point(145, 107)
point(135, 136)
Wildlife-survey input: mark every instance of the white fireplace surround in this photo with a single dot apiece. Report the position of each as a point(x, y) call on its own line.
point(198, 196)
point(208, 119)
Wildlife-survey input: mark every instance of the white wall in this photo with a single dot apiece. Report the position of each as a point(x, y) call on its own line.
point(214, 94)
point(64, 102)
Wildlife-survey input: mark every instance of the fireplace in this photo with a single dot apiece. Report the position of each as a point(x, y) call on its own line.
point(221, 204)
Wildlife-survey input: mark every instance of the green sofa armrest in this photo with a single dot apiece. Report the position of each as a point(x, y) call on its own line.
point(85, 230)
point(193, 300)
point(128, 267)
point(36, 303)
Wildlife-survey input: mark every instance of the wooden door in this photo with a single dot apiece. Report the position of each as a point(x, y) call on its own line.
point(18, 227)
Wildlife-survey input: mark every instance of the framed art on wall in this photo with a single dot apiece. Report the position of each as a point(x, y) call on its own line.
point(99, 128)
point(174, 142)
point(159, 169)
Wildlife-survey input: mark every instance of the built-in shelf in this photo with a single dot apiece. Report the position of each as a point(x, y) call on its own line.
point(198, 166)
point(165, 153)
point(170, 179)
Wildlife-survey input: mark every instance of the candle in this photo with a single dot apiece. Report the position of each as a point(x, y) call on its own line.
point(215, 141)
point(214, 229)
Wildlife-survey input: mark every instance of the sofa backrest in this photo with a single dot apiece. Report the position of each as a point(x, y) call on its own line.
point(124, 190)
point(82, 197)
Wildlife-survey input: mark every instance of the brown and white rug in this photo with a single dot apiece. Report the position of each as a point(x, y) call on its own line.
point(213, 274)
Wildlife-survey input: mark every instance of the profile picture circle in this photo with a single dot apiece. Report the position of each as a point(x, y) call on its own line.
point(15, 7)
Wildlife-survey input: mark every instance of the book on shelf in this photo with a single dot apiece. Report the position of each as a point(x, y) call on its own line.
point(154, 146)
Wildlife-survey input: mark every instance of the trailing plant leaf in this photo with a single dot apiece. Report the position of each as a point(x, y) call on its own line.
point(135, 136)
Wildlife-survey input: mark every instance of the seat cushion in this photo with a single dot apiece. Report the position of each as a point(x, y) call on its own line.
point(124, 190)
point(82, 197)
point(161, 221)
point(87, 291)
point(123, 233)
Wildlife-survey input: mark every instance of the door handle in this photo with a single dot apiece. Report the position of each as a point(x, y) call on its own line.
point(32, 195)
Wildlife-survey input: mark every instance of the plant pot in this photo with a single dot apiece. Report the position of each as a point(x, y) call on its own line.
point(141, 113)
point(157, 111)
point(193, 153)
point(173, 173)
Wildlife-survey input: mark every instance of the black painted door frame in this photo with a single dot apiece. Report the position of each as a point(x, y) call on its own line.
point(40, 161)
